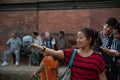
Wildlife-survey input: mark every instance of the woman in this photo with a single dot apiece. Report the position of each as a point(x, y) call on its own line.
point(88, 64)
point(48, 69)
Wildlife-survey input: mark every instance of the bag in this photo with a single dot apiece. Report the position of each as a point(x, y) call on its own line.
point(67, 72)
point(109, 75)
point(111, 71)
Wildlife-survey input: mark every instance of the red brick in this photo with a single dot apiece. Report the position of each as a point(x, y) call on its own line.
point(70, 21)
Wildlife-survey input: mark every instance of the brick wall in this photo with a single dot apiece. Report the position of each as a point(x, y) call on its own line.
point(99, 16)
point(70, 21)
point(67, 20)
point(17, 1)
point(23, 22)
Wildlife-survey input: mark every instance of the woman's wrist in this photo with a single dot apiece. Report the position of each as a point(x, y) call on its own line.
point(35, 73)
point(44, 48)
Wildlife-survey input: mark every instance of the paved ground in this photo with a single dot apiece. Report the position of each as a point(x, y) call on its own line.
point(23, 69)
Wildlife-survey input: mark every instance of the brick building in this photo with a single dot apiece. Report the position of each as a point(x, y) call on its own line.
point(25, 16)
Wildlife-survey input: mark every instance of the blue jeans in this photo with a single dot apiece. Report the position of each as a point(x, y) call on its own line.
point(35, 56)
point(11, 51)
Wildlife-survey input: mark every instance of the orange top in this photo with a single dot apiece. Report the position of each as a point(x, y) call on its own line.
point(50, 71)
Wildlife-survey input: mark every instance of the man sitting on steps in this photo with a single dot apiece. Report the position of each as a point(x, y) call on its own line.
point(14, 44)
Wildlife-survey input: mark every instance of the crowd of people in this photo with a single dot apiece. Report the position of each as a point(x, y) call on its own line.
point(97, 56)
point(16, 45)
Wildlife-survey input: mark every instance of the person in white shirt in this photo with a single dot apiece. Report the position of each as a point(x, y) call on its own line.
point(35, 53)
point(49, 41)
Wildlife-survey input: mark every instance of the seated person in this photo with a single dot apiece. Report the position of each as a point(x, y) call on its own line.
point(49, 41)
point(27, 40)
point(36, 53)
point(62, 42)
point(14, 44)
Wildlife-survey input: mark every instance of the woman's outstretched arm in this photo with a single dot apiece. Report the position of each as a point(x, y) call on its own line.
point(48, 51)
point(102, 76)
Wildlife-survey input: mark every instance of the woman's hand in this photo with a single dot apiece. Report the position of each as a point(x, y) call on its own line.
point(34, 45)
point(34, 74)
point(48, 51)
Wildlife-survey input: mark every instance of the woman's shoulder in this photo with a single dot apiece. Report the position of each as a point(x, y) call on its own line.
point(97, 53)
point(98, 56)
point(68, 51)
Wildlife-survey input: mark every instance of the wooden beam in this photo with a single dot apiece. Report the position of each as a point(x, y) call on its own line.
point(60, 5)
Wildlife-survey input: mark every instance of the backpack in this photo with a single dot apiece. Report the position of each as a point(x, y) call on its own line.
point(109, 58)
point(27, 41)
point(106, 57)
point(110, 42)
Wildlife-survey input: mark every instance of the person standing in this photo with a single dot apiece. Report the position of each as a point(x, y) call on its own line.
point(88, 64)
point(14, 44)
point(48, 69)
point(107, 38)
point(115, 49)
point(106, 34)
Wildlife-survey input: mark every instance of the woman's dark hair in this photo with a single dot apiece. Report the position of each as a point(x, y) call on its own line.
point(117, 27)
point(90, 33)
point(98, 41)
point(35, 33)
point(61, 32)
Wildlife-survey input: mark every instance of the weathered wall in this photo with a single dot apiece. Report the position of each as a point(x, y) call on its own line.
point(67, 20)
point(23, 22)
point(21, 1)
point(70, 21)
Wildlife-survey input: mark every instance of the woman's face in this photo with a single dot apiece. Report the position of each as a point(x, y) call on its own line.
point(82, 41)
